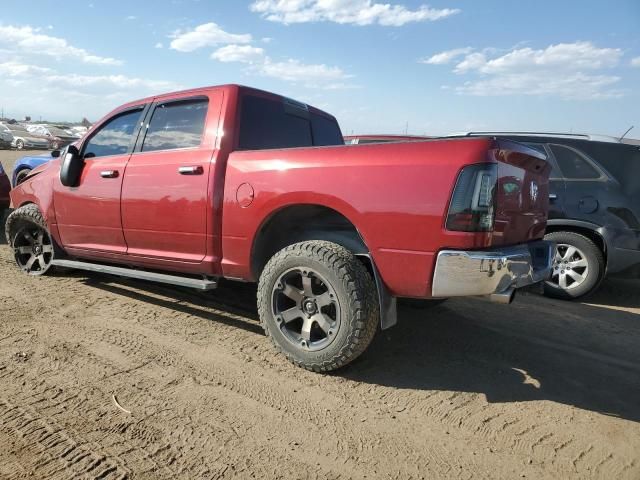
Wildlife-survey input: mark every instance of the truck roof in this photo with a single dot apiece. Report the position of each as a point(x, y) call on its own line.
point(228, 86)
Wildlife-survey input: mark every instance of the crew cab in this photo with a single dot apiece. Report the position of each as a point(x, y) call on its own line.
point(231, 182)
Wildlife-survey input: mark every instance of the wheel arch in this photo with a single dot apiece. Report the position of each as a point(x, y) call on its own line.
point(310, 221)
point(295, 223)
point(18, 169)
point(590, 230)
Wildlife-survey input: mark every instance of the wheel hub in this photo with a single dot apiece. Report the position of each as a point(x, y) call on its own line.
point(306, 309)
point(309, 306)
point(570, 267)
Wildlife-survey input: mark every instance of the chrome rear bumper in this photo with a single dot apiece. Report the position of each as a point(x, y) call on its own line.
point(489, 272)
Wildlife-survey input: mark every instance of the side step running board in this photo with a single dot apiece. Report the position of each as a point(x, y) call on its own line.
point(139, 274)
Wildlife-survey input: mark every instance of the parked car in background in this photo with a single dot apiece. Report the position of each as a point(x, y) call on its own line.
point(57, 137)
point(5, 137)
point(333, 234)
point(5, 188)
point(362, 139)
point(594, 211)
point(79, 130)
point(22, 139)
point(23, 166)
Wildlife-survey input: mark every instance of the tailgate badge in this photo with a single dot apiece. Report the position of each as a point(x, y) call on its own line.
point(534, 191)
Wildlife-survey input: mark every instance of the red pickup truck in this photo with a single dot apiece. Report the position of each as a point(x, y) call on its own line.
point(232, 182)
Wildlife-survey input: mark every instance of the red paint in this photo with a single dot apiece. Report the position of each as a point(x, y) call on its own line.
point(395, 194)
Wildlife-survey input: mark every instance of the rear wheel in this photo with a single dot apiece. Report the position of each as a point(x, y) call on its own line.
point(21, 175)
point(318, 303)
point(32, 245)
point(578, 266)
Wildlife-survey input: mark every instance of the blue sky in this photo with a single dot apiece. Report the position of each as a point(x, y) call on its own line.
point(380, 66)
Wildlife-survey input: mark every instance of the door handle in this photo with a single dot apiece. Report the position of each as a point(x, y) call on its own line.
point(553, 196)
point(193, 170)
point(109, 173)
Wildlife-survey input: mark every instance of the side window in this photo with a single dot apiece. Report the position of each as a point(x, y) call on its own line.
point(555, 173)
point(265, 123)
point(176, 125)
point(572, 164)
point(113, 138)
point(325, 131)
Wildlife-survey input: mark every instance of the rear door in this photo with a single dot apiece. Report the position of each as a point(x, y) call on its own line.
point(583, 182)
point(88, 215)
point(165, 194)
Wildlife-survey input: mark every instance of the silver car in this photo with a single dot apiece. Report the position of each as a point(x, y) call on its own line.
point(23, 139)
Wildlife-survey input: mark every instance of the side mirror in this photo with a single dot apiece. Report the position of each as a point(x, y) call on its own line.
point(71, 167)
point(55, 153)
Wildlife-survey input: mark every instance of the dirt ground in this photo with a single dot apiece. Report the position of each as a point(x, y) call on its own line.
point(107, 378)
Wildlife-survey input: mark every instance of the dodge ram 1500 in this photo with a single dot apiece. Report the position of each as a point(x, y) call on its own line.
point(231, 182)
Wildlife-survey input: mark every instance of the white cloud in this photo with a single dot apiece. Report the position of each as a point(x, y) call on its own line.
point(238, 53)
point(114, 82)
point(574, 86)
point(59, 95)
point(110, 82)
point(131, 17)
point(635, 62)
point(313, 75)
point(16, 69)
point(564, 56)
point(158, 45)
point(236, 48)
point(357, 12)
point(29, 40)
point(565, 70)
point(205, 35)
point(445, 57)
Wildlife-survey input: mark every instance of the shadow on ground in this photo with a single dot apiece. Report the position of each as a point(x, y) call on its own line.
point(535, 349)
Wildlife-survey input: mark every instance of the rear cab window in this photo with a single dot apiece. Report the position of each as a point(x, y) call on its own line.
point(267, 123)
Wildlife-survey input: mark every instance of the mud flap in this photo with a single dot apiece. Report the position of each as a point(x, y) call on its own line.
point(388, 303)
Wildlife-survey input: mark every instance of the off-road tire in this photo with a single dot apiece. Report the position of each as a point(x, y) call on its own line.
point(595, 260)
point(355, 291)
point(27, 214)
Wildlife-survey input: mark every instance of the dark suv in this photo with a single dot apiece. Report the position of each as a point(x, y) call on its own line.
point(594, 211)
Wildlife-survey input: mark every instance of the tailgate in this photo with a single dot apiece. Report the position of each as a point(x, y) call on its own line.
point(522, 193)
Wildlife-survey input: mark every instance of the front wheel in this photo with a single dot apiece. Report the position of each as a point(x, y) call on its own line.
point(19, 145)
point(578, 266)
point(32, 245)
point(319, 305)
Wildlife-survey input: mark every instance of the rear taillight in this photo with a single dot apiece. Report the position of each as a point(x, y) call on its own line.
point(472, 204)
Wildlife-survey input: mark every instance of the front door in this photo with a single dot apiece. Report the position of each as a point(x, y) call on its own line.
point(165, 206)
point(88, 216)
